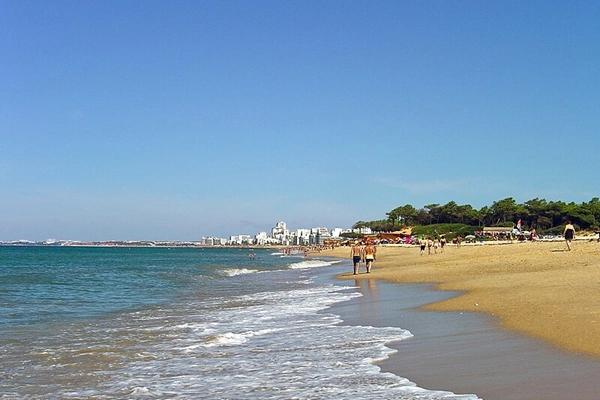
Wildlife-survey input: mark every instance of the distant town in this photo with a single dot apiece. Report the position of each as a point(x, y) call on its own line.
point(279, 235)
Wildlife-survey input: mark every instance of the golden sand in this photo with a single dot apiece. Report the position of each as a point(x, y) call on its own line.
point(538, 289)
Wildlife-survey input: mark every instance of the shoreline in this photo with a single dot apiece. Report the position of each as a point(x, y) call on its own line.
point(466, 352)
point(536, 289)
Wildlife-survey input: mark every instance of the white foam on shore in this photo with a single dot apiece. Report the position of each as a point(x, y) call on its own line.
point(312, 264)
point(282, 344)
point(262, 336)
point(238, 271)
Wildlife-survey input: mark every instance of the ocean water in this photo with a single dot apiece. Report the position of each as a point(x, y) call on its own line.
point(160, 323)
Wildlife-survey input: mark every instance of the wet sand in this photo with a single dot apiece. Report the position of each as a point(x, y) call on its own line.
point(467, 352)
point(519, 321)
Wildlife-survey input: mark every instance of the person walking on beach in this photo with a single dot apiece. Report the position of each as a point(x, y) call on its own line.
point(423, 244)
point(357, 254)
point(370, 255)
point(569, 234)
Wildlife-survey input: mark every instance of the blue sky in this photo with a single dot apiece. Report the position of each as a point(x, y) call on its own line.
point(173, 120)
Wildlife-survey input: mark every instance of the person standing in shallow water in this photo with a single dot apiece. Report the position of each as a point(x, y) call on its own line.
point(569, 234)
point(357, 253)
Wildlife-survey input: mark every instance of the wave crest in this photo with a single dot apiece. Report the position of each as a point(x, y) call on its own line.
point(312, 264)
point(237, 271)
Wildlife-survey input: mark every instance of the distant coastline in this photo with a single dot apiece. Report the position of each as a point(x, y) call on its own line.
point(141, 244)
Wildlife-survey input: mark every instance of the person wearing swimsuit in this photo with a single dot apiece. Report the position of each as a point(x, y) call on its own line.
point(357, 254)
point(569, 234)
point(422, 244)
point(370, 252)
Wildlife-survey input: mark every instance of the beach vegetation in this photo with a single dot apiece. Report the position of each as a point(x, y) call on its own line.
point(456, 219)
point(449, 231)
point(383, 225)
point(352, 235)
point(404, 215)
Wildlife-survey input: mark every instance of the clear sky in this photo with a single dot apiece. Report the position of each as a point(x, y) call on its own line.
point(173, 120)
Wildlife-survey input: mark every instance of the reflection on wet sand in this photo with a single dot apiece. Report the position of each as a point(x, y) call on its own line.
point(370, 304)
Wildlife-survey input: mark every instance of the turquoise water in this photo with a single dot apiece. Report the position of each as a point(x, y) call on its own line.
point(115, 323)
point(41, 285)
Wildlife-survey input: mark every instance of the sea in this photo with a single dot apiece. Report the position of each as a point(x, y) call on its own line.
point(187, 323)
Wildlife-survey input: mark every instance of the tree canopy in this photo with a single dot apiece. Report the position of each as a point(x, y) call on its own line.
point(535, 213)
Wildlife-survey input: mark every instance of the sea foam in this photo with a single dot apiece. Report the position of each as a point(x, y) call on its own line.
point(313, 263)
point(238, 271)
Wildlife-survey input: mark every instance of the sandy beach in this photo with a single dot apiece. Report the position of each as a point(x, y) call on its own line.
point(506, 321)
point(537, 289)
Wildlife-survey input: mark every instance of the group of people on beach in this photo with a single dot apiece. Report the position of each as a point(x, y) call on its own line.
point(294, 250)
point(430, 244)
point(366, 252)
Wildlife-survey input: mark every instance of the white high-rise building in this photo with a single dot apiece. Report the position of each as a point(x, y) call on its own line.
point(336, 232)
point(240, 239)
point(301, 237)
point(280, 232)
point(261, 238)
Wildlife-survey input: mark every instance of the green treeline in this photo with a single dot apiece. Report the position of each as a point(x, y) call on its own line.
point(544, 216)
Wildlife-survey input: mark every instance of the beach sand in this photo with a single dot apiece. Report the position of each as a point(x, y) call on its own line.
point(512, 321)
